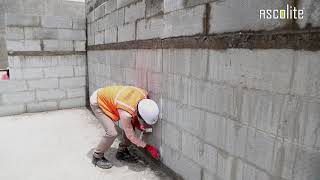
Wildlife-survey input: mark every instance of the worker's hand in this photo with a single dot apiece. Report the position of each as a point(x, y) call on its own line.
point(153, 151)
point(139, 126)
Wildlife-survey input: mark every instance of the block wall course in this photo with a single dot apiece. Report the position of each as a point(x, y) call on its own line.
point(56, 22)
point(7, 110)
point(311, 13)
point(228, 16)
point(135, 11)
point(186, 22)
point(150, 28)
point(126, 32)
point(42, 106)
point(154, 7)
point(235, 126)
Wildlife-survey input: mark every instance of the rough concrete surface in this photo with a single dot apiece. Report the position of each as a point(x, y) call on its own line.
point(57, 145)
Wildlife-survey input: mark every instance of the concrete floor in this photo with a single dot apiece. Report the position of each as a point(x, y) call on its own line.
point(57, 145)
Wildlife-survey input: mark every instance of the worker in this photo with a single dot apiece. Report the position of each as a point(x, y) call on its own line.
point(127, 107)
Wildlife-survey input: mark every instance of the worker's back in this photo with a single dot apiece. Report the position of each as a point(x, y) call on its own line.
point(112, 98)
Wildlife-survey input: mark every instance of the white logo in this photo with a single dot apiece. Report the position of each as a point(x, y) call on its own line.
point(290, 12)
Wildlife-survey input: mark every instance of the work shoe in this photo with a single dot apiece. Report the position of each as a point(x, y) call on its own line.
point(101, 162)
point(123, 154)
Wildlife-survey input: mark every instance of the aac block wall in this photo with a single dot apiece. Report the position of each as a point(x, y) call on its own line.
point(234, 110)
point(46, 56)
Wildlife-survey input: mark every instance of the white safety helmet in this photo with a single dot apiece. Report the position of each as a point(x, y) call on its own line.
point(149, 111)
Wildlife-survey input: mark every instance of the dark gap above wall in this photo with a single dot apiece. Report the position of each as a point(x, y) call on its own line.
point(297, 39)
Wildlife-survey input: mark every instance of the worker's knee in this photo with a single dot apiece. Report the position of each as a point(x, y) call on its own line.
point(112, 134)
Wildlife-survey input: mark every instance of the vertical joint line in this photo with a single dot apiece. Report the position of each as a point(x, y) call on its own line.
point(206, 24)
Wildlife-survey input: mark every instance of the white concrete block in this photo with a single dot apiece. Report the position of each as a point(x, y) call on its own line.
point(53, 72)
point(14, 33)
point(154, 7)
point(112, 20)
point(127, 32)
point(236, 138)
point(135, 11)
point(155, 82)
point(37, 61)
point(172, 5)
point(56, 22)
point(260, 69)
point(99, 38)
point(110, 6)
point(311, 13)
point(32, 45)
point(23, 45)
point(18, 97)
point(284, 160)
point(192, 147)
point(308, 124)
point(234, 15)
point(110, 35)
point(79, 70)
point(42, 106)
point(80, 45)
point(306, 81)
point(15, 45)
point(215, 130)
point(99, 11)
point(209, 158)
point(171, 136)
point(22, 20)
point(122, 3)
point(127, 58)
point(262, 110)
point(57, 45)
point(224, 166)
point(77, 92)
point(177, 61)
point(25, 74)
point(40, 33)
point(48, 83)
point(149, 60)
point(117, 74)
point(78, 23)
point(7, 110)
point(184, 116)
point(71, 60)
point(150, 28)
point(52, 94)
point(208, 176)
point(72, 82)
point(259, 149)
point(69, 34)
point(12, 86)
point(185, 62)
point(177, 88)
point(136, 77)
point(72, 103)
point(212, 97)
point(185, 22)
point(180, 164)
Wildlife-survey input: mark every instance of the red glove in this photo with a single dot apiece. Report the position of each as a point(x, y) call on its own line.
point(153, 151)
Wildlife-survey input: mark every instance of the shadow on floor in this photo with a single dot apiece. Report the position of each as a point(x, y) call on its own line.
point(142, 164)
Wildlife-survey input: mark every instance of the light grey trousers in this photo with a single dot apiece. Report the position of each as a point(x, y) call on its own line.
point(108, 125)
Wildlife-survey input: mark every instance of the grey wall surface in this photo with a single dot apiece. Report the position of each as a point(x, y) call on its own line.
point(45, 42)
point(232, 114)
point(20, 8)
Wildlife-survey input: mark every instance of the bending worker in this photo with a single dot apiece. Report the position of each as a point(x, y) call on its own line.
point(127, 107)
